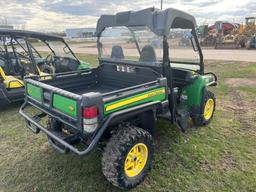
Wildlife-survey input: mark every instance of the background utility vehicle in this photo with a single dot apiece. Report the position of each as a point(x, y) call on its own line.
point(25, 53)
point(119, 101)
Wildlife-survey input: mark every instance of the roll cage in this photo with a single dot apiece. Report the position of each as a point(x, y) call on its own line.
point(12, 37)
point(159, 22)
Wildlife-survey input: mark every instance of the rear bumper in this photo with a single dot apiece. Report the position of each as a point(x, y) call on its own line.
point(64, 145)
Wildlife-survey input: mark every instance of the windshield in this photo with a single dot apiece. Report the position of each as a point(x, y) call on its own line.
point(183, 49)
point(133, 43)
point(55, 48)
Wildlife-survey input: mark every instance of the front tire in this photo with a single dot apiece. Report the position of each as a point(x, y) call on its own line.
point(207, 109)
point(127, 157)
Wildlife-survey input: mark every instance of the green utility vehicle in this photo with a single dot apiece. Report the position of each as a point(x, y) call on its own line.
point(144, 73)
point(31, 53)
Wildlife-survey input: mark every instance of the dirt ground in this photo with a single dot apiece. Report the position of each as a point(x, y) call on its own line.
point(209, 54)
point(238, 82)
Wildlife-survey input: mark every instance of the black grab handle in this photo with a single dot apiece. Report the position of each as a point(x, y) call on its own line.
point(213, 74)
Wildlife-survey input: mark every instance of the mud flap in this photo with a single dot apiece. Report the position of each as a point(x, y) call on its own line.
point(182, 119)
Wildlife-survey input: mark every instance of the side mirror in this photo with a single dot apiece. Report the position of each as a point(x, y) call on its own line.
point(193, 42)
point(66, 50)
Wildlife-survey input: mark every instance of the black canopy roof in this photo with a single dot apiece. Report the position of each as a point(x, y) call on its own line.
point(31, 34)
point(159, 21)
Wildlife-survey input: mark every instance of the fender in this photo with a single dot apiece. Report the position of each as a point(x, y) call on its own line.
point(131, 112)
point(192, 94)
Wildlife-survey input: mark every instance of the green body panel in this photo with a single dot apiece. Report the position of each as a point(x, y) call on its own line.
point(34, 92)
point(84, 65)
point(65, 105)
point(193, 94)
point(150, 97)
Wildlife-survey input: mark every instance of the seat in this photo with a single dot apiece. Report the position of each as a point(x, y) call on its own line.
point(11, 82)
point(148, 54)
point(117, 52)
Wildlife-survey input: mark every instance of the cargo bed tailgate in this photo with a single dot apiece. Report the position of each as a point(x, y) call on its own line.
point(58, 103)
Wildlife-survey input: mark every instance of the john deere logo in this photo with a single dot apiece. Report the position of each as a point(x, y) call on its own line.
point(29, 91)
point(71, 108)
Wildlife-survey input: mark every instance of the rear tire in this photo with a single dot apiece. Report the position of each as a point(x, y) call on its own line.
point(207, 109)
point(127, 157)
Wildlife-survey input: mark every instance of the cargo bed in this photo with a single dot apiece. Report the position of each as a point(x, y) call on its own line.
point(104, 80)
point(100, 89)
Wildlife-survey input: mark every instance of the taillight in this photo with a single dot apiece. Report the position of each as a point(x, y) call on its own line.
point(90, 118)
point(90, 112)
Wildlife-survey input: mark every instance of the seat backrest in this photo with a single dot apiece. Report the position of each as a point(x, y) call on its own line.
point(12, 82)
point(148, 54)
point(117, 52)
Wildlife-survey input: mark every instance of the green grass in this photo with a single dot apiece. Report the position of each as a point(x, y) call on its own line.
point(92, 59)
point(218, 157)
point(72, 42)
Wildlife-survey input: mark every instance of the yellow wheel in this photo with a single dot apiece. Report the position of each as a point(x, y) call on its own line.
point(136, 160)
point(205, 112)
point(209, 109)
point(127, 157)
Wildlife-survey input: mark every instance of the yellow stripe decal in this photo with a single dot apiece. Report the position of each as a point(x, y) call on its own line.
point(135, 99)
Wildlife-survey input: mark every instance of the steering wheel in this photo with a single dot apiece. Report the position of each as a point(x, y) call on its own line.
point(49, 60)
point(48, 66)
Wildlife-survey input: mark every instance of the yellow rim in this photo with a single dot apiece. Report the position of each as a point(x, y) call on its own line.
point(208, 109)
point(136, 160)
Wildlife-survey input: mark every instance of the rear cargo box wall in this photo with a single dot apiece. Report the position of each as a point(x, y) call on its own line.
point(73, 83)
point(109, 76)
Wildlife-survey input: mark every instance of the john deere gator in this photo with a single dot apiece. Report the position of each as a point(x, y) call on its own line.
point(144, 74)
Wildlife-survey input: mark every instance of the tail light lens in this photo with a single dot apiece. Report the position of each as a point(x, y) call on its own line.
point(90, 119)
point(90, 112)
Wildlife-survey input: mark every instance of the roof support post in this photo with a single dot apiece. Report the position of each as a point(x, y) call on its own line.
point(167, 71)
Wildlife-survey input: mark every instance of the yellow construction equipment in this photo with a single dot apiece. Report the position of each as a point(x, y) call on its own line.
point(241, 37)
